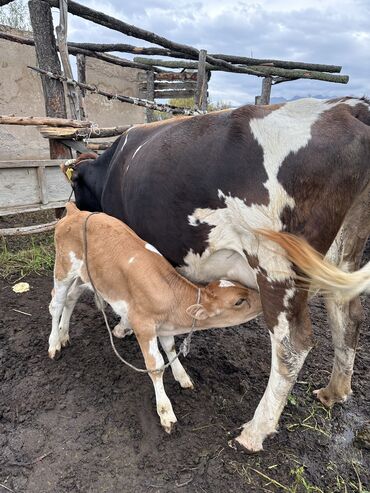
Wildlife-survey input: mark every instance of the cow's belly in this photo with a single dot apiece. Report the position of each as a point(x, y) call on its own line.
point(222, 264)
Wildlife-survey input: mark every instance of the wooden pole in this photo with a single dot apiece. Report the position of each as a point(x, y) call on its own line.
point(47, 57)
point(266, 90)
point(125, 99)
point(260, 70)
point(200, 98)
point(81, 77)
point(61, 31)
point(150, 95)
point(42, 120)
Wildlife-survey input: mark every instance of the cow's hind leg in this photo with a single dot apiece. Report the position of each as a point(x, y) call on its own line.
point(286, 314)
point(345, 318)
point(178, 371)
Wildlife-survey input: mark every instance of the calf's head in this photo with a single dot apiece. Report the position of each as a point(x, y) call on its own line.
point(225, 303)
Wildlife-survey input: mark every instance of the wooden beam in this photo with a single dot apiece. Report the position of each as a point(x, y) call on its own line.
point(61, 31)
point(81, 71)
point(114, 60)
point(42, 120)
point(73, 133)
point(167, 86)
point(263, 70)
point(173, 94)
point(200, 97)
point(35, 163)
point(42, 184)
point(169, 76)
point(130, 30)
point(124, 99)
point(266, 90)
point(28, 230)
point(150, 95)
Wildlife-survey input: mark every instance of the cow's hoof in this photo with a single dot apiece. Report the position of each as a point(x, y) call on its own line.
point(328, 398)
point(236, 445)
point(247, 444)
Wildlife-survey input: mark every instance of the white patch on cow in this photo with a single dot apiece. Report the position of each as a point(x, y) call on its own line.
point(76, 263)
point(225, 284)
point(289, 294)
point(282, 132)
point(121, 308)
point(153, 249)
point(192, 221)
point(138, 149)
point(131, 259)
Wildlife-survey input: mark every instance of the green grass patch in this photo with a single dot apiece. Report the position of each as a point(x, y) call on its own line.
point(35, 257)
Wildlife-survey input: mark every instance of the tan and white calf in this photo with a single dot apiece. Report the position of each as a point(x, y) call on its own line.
point(147, 293)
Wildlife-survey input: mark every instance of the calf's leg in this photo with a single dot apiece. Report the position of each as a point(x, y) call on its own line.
point(153, 361)
point(73, 295)
point(178, 371)
point(56, 307)
point(286, 315)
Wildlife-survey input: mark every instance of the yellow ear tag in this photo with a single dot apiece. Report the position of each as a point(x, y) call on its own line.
point(69, 173)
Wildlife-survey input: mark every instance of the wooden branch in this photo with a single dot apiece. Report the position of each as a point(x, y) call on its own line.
point(73, 133)
point(266, 90)
point(81, 70)
point(61, 31)
point(42, 120)
point(122, 62)
point(200, 97)
point(238, 59)
point(174, 94)
point(130, 30)
point(263, 70)
point(28, 230)
point(99, 146)
point(150, 95)
point(169, 76)
point(168, 86)
point(124, 99)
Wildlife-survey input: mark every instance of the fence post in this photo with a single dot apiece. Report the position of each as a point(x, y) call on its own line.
point(200, 98)
point(150, 95)
point(266, 91)
point(81, 77)
point(47, 58)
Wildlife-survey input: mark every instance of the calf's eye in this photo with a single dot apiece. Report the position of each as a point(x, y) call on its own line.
point(240, 301)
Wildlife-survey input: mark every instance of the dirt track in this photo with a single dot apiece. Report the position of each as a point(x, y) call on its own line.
point(85, 423)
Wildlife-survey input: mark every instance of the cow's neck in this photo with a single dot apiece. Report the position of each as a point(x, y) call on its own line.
point(185, 294)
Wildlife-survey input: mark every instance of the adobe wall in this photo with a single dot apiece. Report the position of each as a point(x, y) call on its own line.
point(21, 95)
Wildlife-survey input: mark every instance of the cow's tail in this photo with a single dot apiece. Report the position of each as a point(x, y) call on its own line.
point(320, 273)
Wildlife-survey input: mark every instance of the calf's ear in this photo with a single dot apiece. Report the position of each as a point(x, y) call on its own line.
point(197, 311)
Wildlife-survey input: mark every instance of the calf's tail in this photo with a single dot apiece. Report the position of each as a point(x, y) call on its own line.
point(320, 273)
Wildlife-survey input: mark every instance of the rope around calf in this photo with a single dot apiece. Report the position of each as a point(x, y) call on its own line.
point(185, 345)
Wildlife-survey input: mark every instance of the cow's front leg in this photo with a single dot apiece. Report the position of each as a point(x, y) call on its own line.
point(286, 314)
point(153, 361)
point(178, 371)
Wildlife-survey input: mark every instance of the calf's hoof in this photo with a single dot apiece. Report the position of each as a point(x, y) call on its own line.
point(185, 382)
point(64, 341)
point(328, 398)
point(54, 351)
point(168, 420)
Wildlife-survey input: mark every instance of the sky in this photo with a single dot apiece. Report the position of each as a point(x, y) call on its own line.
point(319, 31)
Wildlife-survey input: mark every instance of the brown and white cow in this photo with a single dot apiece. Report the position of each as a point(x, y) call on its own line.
point(198, 188)
point(141, 286)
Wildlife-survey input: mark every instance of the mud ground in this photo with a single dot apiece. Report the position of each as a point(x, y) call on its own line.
point(86, 423)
